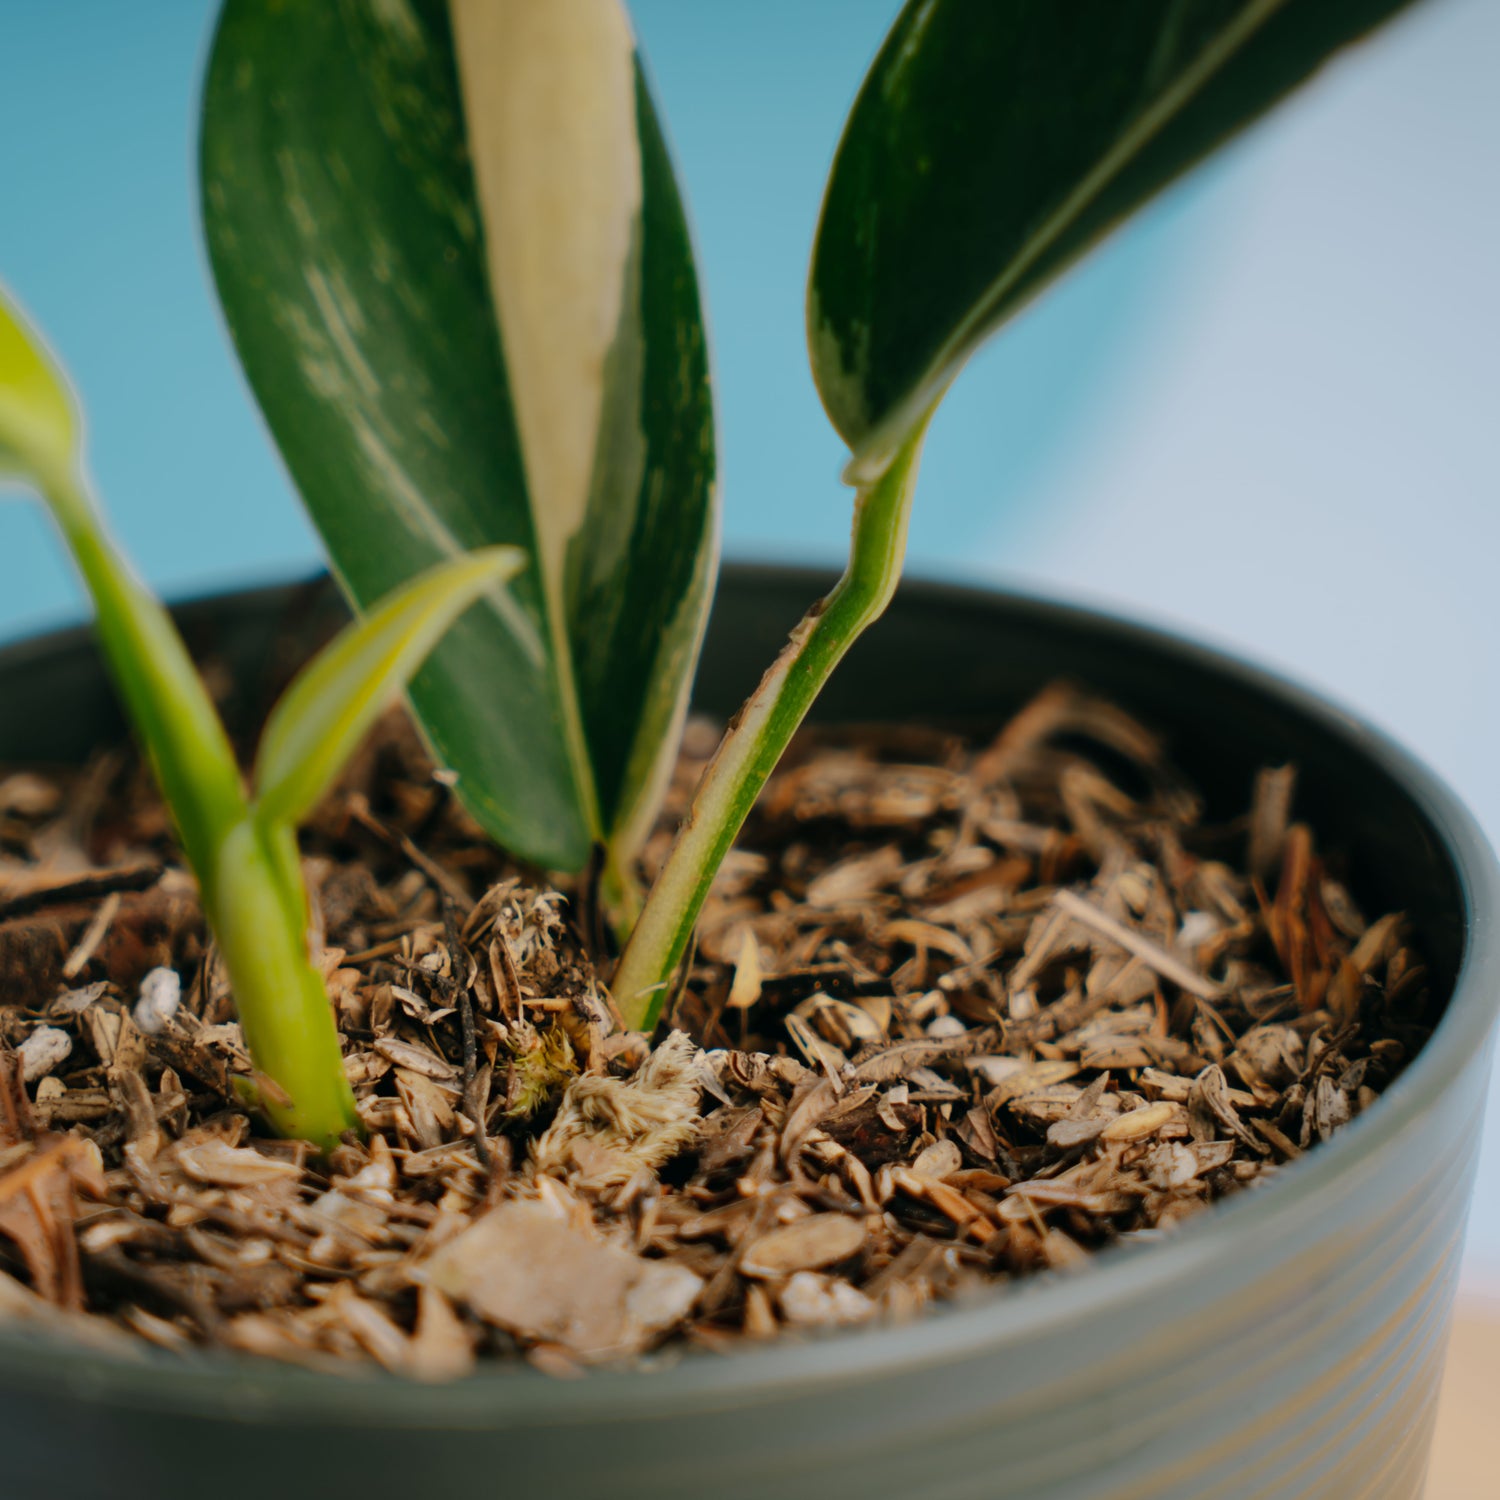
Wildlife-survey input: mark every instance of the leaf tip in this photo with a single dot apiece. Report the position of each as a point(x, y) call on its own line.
point(39, 426)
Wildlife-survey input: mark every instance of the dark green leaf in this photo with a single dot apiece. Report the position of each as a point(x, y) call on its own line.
point(386, 189)
point(994, 141)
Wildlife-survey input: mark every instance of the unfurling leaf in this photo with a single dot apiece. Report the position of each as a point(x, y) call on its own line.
point(38, 425)
point(40, 442)
point(328, 709)
point(452, 254)
point(248, 873)
point(993, 142)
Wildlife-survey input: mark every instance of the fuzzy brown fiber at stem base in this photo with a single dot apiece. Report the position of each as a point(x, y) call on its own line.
point(959, 1013)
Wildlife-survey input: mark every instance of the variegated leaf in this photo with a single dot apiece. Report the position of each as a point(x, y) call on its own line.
point(455, 264)
point(995, 141)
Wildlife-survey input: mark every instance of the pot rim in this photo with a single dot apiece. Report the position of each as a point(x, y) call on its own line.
point(518, 1395)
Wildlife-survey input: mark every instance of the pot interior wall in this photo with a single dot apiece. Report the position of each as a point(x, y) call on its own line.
point(1221, 725)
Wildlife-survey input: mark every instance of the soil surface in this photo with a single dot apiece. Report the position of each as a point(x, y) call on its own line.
point(959, 1013)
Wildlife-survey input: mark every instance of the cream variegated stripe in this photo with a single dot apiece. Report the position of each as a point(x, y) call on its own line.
point(549, 101)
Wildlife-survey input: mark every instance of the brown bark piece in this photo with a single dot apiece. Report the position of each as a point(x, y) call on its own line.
point(524, 1268)
point(38, 1205)
point(804, 1245)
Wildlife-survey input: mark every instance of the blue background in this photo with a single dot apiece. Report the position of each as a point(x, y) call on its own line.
point(100, 240)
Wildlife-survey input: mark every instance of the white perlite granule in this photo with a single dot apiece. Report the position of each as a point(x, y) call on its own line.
point(161, 994)
point(42, 1051)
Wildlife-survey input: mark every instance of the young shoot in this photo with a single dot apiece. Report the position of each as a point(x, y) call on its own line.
point(510, 163)
point(241, 842)
point(762, 730)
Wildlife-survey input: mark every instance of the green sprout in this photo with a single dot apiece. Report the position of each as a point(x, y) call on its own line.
point(241, 845)
point(455, 262)
point(514, 252)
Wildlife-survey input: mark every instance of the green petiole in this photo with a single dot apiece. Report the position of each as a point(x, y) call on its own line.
point(252, 891)
point(760, 734)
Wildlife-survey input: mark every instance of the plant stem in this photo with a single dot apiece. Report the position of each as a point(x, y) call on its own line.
point(163, 694)
point(620, 894)
point(249, 876)
point(760, 734)
point(259, 917)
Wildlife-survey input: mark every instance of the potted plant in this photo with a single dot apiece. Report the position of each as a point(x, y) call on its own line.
point(454, 262)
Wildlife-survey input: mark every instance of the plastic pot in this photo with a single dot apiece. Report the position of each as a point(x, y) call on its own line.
point(1286, 1344)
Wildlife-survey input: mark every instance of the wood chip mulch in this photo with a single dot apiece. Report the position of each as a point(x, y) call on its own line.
point(958, 1014)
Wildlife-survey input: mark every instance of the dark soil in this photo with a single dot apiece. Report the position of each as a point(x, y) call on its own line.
point(958, 1014)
